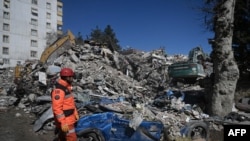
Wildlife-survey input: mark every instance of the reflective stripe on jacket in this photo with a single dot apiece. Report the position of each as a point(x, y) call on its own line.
point(63, 104)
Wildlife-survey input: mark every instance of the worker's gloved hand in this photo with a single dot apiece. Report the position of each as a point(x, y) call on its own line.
point(65, 128)
point(77, 117)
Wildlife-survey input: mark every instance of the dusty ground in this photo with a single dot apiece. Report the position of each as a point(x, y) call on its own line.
point(13, 128)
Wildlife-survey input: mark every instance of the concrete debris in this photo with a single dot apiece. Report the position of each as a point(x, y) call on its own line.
point(130, 82)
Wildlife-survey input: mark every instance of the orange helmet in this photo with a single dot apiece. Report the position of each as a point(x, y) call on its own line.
point(66, 72)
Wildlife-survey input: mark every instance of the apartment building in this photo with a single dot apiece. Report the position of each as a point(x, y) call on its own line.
point(25, 26)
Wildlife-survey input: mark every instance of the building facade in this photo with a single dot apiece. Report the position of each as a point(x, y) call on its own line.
point(25, 27)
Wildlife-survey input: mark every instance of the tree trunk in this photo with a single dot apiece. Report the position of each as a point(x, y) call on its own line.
point(226, 73)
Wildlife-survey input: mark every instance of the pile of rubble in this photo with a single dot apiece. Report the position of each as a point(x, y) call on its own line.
point(139, 80)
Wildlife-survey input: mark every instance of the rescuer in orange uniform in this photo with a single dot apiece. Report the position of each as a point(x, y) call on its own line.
point(63, 105)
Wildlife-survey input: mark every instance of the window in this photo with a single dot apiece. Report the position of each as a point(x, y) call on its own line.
point(33, 54)
point(48, 16)
point(34, 22)
point(6, 27)
point(34, 43)
point(6, 3)
point(48, 5)
point(48, 34)
point(59, 27)
point(33, 32)
point(6, 61)
point(5, 50)
point(6, 39)
point(59, 9)
point(48, 25)
point(6, 15)
point(34, 2)
point(34, 11)
point(18, 62)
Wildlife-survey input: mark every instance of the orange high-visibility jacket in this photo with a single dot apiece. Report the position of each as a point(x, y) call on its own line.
point(63, 104)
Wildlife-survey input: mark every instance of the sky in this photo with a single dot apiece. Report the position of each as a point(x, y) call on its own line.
point(146, 25)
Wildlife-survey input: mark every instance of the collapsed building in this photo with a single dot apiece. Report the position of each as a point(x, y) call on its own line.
point(137, 81)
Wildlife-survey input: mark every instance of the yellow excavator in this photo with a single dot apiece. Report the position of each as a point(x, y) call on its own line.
point(56, 45)
point(49, 51)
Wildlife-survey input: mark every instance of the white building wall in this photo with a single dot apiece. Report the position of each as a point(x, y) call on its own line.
point(20, 29)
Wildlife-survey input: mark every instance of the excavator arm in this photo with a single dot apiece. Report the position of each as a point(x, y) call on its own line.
point(56, 45)
point(48, 52)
